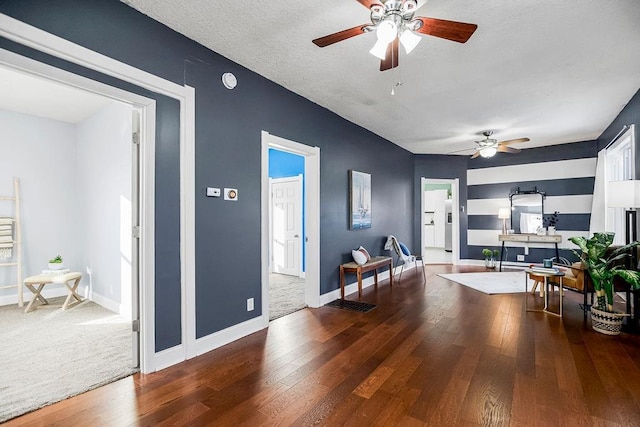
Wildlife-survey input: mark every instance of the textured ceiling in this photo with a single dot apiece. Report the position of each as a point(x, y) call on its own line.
point(553, 71)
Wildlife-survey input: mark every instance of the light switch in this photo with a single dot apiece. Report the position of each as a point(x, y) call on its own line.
point(231, 194)
point(213, 192)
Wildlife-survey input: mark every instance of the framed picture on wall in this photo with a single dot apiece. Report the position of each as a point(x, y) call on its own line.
point(360, 195)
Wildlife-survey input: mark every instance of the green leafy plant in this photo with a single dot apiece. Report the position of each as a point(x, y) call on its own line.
point(56, 260)
point(490, 253)
point(604, 268)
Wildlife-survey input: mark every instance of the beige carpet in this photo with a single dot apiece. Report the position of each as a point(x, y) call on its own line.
point(48, 355)
point(286, 295)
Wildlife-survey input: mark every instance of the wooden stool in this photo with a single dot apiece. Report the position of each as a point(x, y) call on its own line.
point(36, 284)
point(539, 280)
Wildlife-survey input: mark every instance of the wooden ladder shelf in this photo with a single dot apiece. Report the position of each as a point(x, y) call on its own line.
point(17, 240)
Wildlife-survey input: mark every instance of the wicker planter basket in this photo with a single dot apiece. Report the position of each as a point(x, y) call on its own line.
point(606, 322)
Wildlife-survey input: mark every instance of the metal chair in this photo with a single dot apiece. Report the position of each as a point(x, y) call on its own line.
point(403, 253)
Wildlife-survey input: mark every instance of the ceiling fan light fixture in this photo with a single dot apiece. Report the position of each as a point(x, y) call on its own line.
point(487, 152)
point(379, 50)
point(409, 40)
point(387, 31)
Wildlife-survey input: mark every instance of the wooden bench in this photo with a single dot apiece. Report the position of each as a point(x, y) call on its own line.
point(373, 264)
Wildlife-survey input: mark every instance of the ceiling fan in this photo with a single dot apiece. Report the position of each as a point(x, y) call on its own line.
point(395, 23)
point(488, 146)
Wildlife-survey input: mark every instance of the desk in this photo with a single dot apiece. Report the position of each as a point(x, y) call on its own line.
point(36, 285)
point(546, 275)
point(528, 238)
point(373, 264)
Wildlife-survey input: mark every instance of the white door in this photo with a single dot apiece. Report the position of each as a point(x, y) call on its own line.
point(286, 199)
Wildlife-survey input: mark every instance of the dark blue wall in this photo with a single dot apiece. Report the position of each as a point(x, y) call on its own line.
point(228, 141)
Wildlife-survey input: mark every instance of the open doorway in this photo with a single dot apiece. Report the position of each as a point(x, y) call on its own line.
point(440, 221)
point(286, 233)
point(287, 212)
point(76, 154)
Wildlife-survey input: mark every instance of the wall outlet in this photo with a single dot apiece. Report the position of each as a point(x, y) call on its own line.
point(250, 304)
point(520, 257)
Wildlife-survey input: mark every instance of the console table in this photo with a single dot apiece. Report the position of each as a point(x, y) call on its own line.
point(528, 238)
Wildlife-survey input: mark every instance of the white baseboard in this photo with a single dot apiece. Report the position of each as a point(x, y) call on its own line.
point(50, 291)
point(230, 334)
point(169, 357)
point(175, 355)
point(107, 303)
point(352, 288)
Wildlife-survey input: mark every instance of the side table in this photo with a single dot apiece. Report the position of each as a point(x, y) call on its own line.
point(546, 275)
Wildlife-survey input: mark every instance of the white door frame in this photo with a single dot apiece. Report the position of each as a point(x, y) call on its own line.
point(312, 218)
point(455, 216)
point(42, 41)
point(298, 179)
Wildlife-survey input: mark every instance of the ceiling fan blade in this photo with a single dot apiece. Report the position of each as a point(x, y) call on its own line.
point(505, 149)
point(476, 154)
point(461, 151)
point(340, 35)
point(450, 30)
point(514, 141)
point(391, 60)
point(369, 3)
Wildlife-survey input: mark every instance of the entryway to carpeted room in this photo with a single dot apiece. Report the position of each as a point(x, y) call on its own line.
point(286, 231)
point(74, 162)
point(50, 354)
point(286, 295)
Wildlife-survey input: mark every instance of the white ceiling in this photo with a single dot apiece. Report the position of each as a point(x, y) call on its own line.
point(37, 96)
point(553, 71)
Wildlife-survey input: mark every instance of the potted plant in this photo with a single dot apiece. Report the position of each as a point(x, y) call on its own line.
point(56, 263)
point(604, 266)
point(550, 222)
point(490, 257)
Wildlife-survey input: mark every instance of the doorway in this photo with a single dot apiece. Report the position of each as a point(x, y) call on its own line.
point(440, 228)
point(290, 220)
point(98, 139)
point(286, 247)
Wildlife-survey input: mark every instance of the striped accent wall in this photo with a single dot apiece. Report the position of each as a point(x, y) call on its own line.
point(568, 184)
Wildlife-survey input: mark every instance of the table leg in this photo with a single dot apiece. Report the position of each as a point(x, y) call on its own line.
point(546, 293)
point(35, 290)
point(391, 273)
point(501, 255)
point(561, 293)
point(342, 282)
point(359, 274)
point(72, 293)
point(20, 294)
point(375, 276)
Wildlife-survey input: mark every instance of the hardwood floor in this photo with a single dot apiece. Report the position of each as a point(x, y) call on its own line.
point(429, 354)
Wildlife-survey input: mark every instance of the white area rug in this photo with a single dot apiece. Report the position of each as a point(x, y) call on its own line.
point(490, 282)
point(50, 354)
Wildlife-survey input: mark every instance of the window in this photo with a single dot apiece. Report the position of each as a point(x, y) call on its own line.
point(620, 166)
